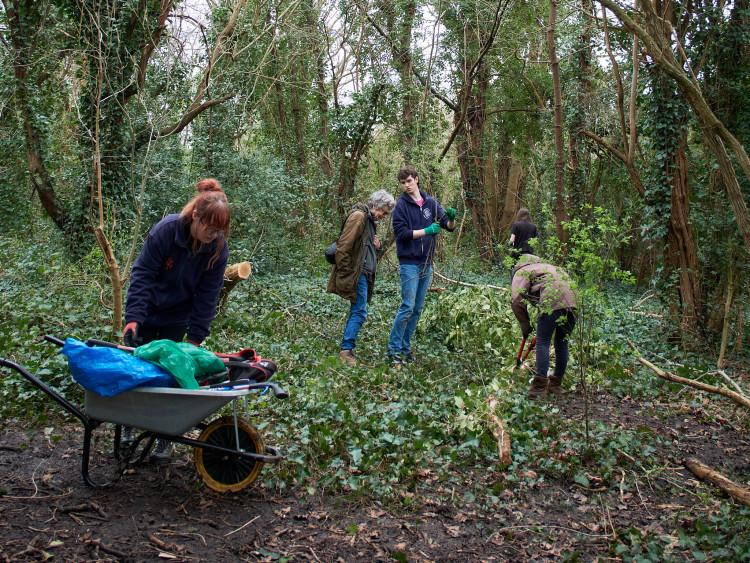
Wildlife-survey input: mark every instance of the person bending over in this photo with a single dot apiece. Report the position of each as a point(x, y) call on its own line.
point(176, 280)
point(550, 289)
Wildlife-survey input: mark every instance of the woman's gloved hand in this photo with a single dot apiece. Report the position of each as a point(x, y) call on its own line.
point(130, 335)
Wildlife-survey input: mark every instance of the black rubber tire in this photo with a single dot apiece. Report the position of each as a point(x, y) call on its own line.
point(227, 473)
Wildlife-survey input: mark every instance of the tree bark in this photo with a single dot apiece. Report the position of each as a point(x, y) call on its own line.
point(232, 275)
point(737, 492)
point(681, 253)
point(716, 132)
point(511, 195)
point(561, 214)
point(499, 433)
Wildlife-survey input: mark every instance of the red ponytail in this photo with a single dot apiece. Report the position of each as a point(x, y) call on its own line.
point(212, 209)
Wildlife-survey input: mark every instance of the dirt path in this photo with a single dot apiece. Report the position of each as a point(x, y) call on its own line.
point(158, 513)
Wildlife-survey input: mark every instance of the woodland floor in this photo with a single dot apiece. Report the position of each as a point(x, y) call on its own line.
point(159, 513)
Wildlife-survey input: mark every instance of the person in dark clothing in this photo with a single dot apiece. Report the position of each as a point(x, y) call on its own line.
point(417, 218)
point(353, 274)
point(521, 232)
point(177, 277)
point(176, 280)
point(552, 291)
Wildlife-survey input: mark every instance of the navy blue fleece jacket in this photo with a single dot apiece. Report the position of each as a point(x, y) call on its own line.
point(409, 217)
point(171, 285)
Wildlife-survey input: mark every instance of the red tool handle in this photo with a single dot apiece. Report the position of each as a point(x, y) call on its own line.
point(520, 351)
point(531, 347)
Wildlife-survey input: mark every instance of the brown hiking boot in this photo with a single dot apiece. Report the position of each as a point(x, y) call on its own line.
point(348, 357)
point(554, 386)
point(538, 388)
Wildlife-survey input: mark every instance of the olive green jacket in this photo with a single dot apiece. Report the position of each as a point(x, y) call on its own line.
point(350, 255)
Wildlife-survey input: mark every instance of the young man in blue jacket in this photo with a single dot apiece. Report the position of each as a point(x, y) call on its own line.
point(417, 218)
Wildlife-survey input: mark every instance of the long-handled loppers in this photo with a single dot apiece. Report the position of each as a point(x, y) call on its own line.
point(519, 360)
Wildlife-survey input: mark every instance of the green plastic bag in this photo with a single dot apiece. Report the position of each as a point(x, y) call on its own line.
point(186, 363)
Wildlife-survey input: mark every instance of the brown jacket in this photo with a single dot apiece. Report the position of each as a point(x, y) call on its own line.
point(542, 284)
point(350, 255)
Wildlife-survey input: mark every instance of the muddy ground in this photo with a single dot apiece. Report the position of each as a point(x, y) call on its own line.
point(158, 513)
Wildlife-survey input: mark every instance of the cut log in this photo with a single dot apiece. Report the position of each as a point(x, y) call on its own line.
point(498, 432)
point(233, 274)
point(704, 472)
point(237, 272)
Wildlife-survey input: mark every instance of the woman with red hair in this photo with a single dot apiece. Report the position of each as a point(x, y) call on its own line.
point(176, 279)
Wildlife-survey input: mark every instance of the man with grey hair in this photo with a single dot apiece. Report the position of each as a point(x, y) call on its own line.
point(353, 274)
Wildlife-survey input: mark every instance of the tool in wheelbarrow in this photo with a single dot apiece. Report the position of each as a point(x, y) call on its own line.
point(245, 364)
point(229, 453)
point(519, 361)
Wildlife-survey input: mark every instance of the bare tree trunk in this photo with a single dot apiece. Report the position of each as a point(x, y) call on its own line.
point(681, 252)
point(511, 195)
point(405, 63)
point(561, 213)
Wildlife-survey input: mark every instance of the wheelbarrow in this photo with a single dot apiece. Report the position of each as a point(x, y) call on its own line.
point(229, 453)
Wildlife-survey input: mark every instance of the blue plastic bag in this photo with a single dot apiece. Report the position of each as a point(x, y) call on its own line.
point(109, 371)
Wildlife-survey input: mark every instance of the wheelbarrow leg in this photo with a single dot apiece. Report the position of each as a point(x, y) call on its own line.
point(88, 428)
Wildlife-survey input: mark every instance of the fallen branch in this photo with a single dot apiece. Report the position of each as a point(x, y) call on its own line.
point(498, 432)
point(438, 274)
point(645, 299)
point(736, 397)
point(83, 508)
point(97, 544)
point(704, 472)
point(645, 314)
point(241, 527)
point(729, 380)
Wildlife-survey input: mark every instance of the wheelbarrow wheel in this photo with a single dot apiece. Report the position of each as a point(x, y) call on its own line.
point(223, 472)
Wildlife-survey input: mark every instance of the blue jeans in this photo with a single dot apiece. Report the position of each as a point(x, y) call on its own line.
point(357, 316)
point(415, 281)
point(561, 323)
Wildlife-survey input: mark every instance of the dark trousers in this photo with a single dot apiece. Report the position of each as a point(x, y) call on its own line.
point(561, 324)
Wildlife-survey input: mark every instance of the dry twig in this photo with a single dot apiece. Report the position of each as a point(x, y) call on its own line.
point(736, 397)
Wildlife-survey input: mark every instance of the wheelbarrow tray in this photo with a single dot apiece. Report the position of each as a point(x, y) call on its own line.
point(164, 410)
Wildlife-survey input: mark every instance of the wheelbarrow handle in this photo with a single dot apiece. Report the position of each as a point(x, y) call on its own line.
point(95, 342)
point(55, 341)
point(275, 387)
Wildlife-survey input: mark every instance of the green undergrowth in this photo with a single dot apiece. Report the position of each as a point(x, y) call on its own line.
point(373, 431)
